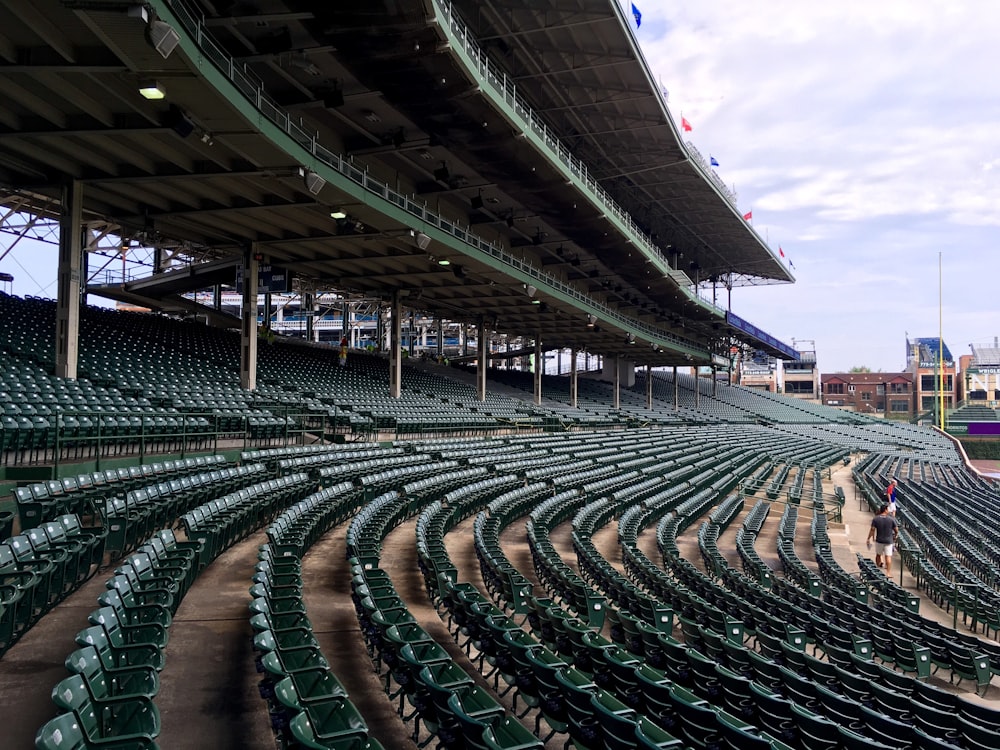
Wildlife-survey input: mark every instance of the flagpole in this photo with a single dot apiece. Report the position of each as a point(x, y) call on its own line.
point(940, 343)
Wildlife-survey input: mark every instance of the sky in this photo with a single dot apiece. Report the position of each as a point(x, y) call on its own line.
point(865, 138)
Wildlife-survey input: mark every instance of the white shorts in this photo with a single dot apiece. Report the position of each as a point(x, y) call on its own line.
point(883, 549)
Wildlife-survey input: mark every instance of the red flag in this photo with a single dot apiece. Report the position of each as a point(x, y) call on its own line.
point(748, 216)
point(781, 252)
point(686, 125)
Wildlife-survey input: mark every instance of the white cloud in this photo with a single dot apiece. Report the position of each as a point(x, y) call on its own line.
point(863, 135)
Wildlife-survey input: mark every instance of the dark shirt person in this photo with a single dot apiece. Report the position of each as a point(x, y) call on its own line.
point(884, 531)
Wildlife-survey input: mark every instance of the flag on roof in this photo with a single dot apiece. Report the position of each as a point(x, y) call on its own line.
point(748, 216)
point(713, 161)
point(686, 125)
point(638, 16)
point(664, 91)
point(781, 252)
point(790, 264)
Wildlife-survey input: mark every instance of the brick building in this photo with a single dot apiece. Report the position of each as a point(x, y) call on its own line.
point(885, 394)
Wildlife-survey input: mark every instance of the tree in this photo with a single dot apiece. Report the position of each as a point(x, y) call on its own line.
point(860, 368)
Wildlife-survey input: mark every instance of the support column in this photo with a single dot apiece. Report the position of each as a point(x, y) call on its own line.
point(345, 323)
point(308, 303)
point(217, 297)
point(676, 388)
point(411, 332)
point(465, 340)
point(482, 360)
point(395, 346)
point(538, 370)
point(68, 274)
point(714, 381)
point(572, 378)
point(440, 340)
point(697, 389)
point(248, 327)
point(649, 386)
point(616, 384)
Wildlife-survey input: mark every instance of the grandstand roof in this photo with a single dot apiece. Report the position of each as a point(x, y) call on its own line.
point(391, 117)
point(985, 355)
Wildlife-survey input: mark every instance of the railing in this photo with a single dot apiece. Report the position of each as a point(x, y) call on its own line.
point(506, 90)
point(706, 167)
point(89, 435)
point(251, 87)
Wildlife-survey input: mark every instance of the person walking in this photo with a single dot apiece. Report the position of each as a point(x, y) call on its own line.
point(884, 531)
point(343, 351)
point(890, 497)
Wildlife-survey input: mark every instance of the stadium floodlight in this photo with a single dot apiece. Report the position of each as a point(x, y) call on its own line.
point(152, 90)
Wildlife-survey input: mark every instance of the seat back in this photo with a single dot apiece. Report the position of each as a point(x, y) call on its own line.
point(62, 733)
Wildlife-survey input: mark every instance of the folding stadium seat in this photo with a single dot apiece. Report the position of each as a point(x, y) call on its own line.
point(816, 732)
point(138, 570)
point(649, 736)
point(68, 526)
point(60, 578)
point(33, 579)
point(118, 719)
point(66, 731)
point(694, 719)
point(131, 610)
point(116, 624)
point(33, 509)
point(774, 714)
point(735, 694)
point(969, 665)
point(50, 537)
point(738, 735)
point(111, 682)
point(115, 653)
point(616, 721)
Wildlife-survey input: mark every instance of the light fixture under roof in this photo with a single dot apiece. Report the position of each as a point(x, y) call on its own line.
point(152, 90)
point(338, 214)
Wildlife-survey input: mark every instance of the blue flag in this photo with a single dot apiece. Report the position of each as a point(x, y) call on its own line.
point(638, 16)
point(712, 160)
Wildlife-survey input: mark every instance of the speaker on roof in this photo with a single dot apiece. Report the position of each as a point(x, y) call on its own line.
point(314, 183)
point(163, 37)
